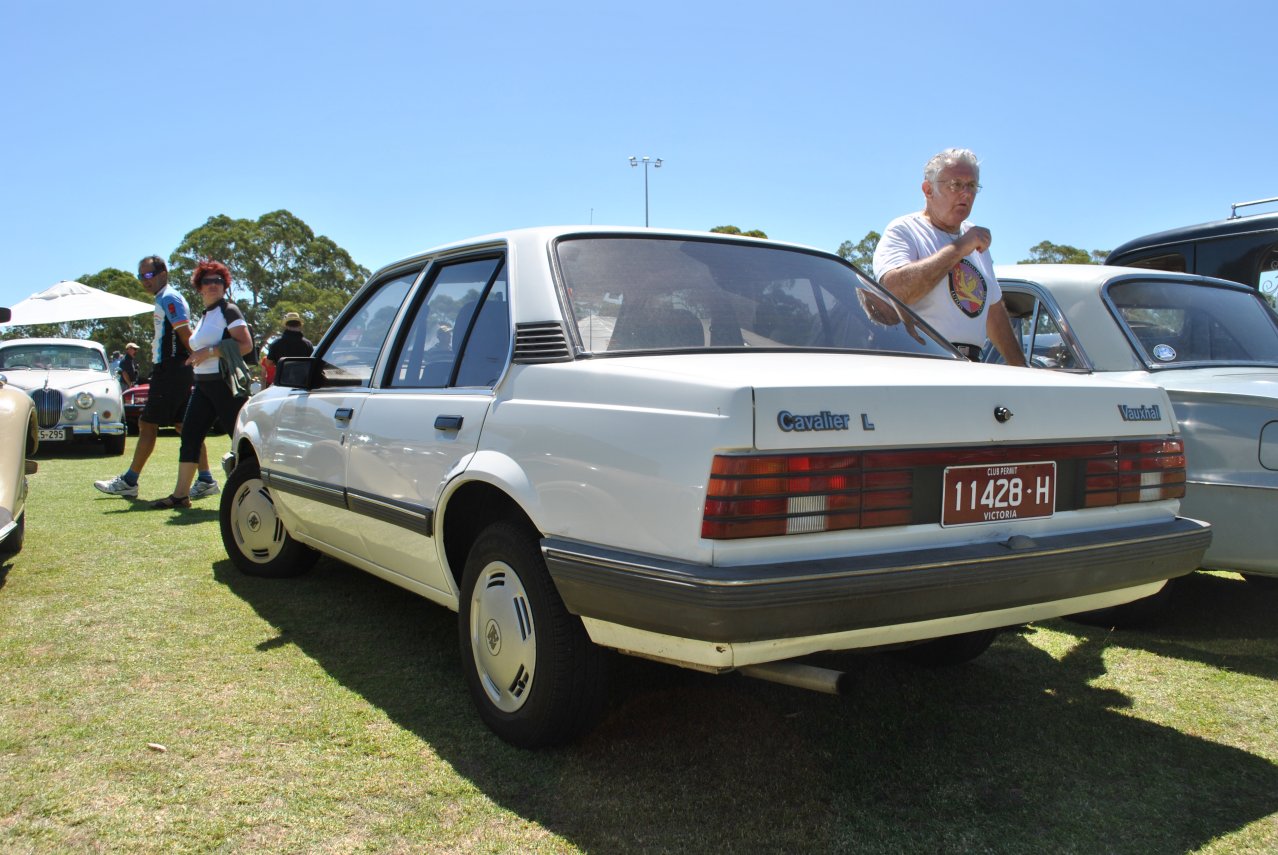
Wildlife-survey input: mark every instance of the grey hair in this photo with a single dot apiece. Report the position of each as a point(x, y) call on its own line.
point(950, 157)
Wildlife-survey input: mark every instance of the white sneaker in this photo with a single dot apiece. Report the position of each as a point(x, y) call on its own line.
point(200, 489)
point(117, 486)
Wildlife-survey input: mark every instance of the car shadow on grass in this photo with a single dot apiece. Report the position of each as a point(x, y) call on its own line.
point(1015, 752)
point(1216, 619)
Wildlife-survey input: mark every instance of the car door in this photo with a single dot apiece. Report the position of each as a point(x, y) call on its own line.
point(308, 454)
point(417, 429)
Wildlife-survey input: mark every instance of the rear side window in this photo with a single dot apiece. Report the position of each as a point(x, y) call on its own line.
point(1174, 262)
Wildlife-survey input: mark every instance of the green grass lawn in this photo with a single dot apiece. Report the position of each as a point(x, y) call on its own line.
point(152, 699)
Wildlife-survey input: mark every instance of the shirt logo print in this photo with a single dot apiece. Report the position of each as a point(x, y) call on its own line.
point(967, 288)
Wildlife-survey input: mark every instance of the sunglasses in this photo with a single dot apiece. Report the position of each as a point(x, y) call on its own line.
point(150, 275)
point(212, 280)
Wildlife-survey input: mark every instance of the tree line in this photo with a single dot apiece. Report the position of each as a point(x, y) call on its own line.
point(277, 262)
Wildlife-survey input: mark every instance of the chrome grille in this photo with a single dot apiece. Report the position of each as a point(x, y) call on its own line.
point(48, 405)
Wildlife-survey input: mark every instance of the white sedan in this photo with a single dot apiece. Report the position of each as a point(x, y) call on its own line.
point(76, 397)
point(1212, 344)
point(717, 452)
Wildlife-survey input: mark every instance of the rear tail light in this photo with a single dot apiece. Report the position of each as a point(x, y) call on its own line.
point(765, 495)
point(1141, 471)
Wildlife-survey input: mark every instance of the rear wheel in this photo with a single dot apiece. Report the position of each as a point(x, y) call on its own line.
point(533, 673)
point(252, 532)
point(949, 650)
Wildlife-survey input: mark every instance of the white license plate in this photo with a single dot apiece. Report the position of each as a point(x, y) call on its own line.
point(999, 492)
point(53, 433)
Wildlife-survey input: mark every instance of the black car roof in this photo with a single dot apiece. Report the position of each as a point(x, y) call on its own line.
point(1184, 234)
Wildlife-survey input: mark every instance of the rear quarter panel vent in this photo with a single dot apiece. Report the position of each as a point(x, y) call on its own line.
point(541, 342)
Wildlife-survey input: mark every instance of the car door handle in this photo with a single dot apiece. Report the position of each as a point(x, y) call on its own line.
point(448, 422)
point(343, 414)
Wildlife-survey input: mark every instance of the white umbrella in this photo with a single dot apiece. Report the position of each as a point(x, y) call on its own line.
point(71, 301)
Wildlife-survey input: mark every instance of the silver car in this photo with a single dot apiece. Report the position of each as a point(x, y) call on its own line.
point(1212, 344)
point(76, 397)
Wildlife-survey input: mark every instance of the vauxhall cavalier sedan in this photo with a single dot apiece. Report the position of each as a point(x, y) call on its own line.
point(1212, 344)
point(717, 452)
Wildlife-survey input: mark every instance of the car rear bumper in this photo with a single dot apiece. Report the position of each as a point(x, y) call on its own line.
point(752, 603)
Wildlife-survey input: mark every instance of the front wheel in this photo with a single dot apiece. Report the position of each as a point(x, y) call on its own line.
point(113, 446)
point(252, 532)
point(532, 671)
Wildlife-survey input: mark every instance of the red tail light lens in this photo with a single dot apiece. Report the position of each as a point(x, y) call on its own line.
point(765, 495)
point(1140, 471)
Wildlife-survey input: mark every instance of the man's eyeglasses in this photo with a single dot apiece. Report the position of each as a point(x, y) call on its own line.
point(962, 186)
point(150, 274)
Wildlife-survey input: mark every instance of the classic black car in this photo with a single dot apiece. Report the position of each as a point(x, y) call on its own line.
point(1241, 248)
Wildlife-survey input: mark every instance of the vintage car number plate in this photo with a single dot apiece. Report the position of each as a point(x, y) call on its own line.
point(53, 433)
point(1006, 491)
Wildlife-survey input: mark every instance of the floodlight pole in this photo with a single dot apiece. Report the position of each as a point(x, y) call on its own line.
point(656, 164)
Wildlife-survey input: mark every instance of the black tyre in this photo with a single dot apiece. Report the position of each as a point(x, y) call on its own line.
point(252, 532)
point(949, 650)
point(113, 446)
point(12, 544)
point(1262, 583)
point(533, 673)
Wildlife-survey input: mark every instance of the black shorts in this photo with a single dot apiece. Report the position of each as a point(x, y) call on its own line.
point(167, 399)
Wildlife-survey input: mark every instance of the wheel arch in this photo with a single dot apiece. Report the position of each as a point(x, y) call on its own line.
point(470, 509)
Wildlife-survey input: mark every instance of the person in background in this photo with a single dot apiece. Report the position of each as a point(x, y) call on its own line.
point(291, 342)
point(128, 366)
point(170, 382)
point(938, 263)
point(217, 348)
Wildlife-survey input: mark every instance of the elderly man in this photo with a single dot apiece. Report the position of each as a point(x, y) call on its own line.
point(939, 264)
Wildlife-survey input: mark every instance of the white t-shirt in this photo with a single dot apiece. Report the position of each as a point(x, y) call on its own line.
point(209, 333)
point(956, 306)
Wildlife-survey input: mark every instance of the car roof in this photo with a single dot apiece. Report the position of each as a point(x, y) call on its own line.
point(75, 342)
point(1199, 231)
point(538, 236)
point(1069, 278)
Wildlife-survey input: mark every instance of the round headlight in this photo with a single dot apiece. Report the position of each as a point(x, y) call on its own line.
point(84, 400)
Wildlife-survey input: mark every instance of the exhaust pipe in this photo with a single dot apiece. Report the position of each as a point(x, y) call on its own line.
point(800, 676)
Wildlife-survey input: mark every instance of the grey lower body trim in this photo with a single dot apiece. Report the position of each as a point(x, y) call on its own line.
point(772, 601)
point(412, 517)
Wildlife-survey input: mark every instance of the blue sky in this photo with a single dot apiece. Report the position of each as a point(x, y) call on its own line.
point(395, 126)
